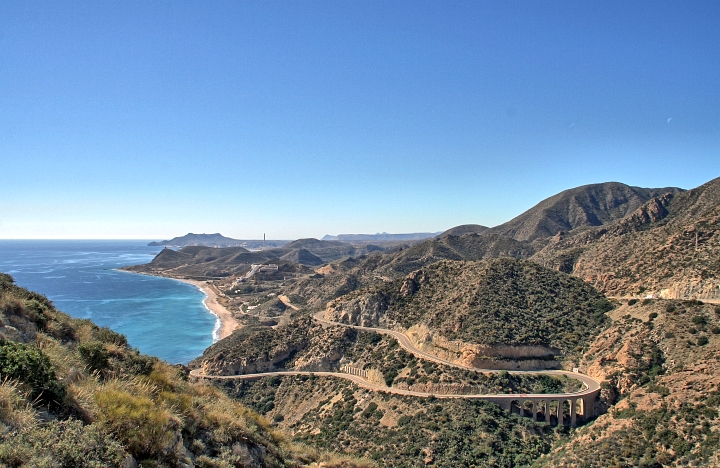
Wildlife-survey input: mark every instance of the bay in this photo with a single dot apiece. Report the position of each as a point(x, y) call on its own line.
point(159, 316)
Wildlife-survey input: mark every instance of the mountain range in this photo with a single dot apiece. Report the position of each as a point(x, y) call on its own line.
point(616, 282)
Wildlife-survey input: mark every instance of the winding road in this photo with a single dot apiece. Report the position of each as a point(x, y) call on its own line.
point(505, 400)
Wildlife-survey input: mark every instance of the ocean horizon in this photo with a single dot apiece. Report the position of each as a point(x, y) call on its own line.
point(159, 316)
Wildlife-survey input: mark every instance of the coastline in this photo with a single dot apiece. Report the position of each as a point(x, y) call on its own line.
point(226, 323)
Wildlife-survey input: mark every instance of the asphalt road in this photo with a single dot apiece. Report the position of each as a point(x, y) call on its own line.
point(591, 385)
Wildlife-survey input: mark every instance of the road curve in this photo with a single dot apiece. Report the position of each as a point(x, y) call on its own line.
point(591, 385)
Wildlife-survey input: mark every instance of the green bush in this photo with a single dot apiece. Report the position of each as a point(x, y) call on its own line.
point(715, 330)
point(95, 356)
point(699, 320)
point(62, 444)
point(106, 335)
point(602, 306)
point(29, 365)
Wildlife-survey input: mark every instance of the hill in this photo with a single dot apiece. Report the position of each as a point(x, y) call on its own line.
point(344, 276)
point(211, 262)
point(302, 256)
point(380, 237)
point(465, 229)
point(515, 309)
point(669, 247)
point(589, 205)
point(76, 395)
point(660, 364)
point(207, 240)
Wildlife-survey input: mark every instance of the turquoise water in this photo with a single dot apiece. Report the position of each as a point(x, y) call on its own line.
point(159, 316)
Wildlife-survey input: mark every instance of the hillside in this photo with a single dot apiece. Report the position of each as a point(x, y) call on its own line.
point(76, 395)
point(347, 275)
point(464, 229)
point(589, 205)
point(515, 309)
point(661, 363)
point(669, 247)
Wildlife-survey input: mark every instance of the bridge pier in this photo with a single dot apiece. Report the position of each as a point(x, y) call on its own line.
point(534, 410)
point(588, 404)
point(547, 411)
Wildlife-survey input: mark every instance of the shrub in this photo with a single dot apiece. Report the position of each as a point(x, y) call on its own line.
point(106, 335)
point(602, 305)
point(699, 320)
point(95, 356)
point(715, 330)
point(29, 365)
point(702, 341)
point(653, 315)
point(632, 302)
point(62, 444)
point(670, 308)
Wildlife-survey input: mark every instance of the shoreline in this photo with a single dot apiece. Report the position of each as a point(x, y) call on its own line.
point(225, 322)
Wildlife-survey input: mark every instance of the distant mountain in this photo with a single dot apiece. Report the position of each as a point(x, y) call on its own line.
point(464, 229)
point(589, 205)
point(312, 243)
point(207, 240)
point(202, 261)
point(380, 237)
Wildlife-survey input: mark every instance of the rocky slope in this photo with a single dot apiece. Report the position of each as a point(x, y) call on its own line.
point(661, 364)
point(589, 205)
point(669, 248)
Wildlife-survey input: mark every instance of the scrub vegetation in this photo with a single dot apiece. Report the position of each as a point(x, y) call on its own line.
point(75, 395)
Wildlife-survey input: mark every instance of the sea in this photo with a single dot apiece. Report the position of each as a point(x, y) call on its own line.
point(159, 316)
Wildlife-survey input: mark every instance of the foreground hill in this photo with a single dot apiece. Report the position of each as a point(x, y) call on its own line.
point(669, 247)
point(76, 395)
point(589, 205)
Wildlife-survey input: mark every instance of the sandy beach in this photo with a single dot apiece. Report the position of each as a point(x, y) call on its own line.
point(227, 321)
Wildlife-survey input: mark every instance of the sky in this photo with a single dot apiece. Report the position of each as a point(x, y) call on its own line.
point(152, 119)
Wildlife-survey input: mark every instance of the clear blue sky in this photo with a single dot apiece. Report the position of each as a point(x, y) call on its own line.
point(152, 119)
